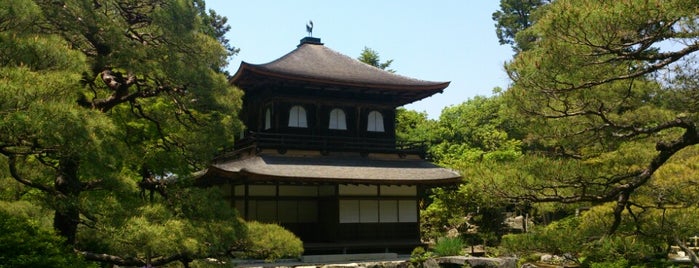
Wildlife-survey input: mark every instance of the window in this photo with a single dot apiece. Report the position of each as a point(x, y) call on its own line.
point(375, 122)
point(377, 211)
point(337, 119)
point(268, 118)
point(297, 117)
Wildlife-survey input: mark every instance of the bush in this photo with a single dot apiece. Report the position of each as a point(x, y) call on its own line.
point(23, 243)
point(449, 246)
point(560, 237)
point(419, 256)
point(613, 249)
point(271, 242)
point(621, 263)
point(582, 240)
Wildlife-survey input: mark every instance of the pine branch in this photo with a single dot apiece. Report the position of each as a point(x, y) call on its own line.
point(12, 164)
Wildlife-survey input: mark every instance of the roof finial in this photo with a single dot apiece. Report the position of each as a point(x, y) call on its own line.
point(309, 28)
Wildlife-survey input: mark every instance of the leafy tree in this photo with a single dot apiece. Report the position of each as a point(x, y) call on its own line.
point(478, 130)
point(371, 57)
point(513, 17)
point(414, 127)
point(102, 98)
point(608, 92)
point(217, 26)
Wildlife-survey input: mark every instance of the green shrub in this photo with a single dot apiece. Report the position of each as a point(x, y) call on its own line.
point(527, 258)
point(583, 242)
point(449, 246)
point(23, 243)
point(271, 242)
point(560, 237)
point(613, 249)
point(419, 256)
point(621, 263)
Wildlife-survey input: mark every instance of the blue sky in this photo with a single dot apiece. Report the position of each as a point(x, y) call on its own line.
point(430, 40)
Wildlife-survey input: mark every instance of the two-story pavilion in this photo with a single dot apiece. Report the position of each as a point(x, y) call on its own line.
point(320, 155)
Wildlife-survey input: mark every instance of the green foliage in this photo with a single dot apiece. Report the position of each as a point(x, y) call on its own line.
point(558, 238)
point(513, 17)
point(584, 238)
point(270, 242)
point(466, 210)
point(192, 222)
point(419, 256)
point(24, 243)
point(413, 126)
point(477, 133)
point(22, 209)
point(446, 211)
point(594, 88)
point(622, 263)
point(615, 248)
point(371, 57)
point(477, 129)
point(601, 114)
point(449, 246)
point(560, 94)
point(527, 258)
point(96, 97)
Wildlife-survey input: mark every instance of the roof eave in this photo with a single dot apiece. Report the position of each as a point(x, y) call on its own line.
point(239, 73)
point(216, 176)
point(436, 87)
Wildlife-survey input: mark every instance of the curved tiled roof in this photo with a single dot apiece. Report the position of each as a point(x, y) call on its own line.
point(313, 62)
point(357, 170)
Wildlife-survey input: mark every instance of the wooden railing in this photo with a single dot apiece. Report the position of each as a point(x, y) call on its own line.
point(329, 143)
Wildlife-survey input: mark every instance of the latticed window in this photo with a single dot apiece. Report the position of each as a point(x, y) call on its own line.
point(297, 117)
point(337, 119)
point(375, 122)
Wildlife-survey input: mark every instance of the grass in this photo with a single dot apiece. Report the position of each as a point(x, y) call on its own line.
point(449, 246)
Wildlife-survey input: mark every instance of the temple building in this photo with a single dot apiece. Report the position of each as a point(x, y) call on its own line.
point(320, 157)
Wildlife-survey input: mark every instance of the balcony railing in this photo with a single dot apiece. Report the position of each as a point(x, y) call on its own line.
point(329, 143)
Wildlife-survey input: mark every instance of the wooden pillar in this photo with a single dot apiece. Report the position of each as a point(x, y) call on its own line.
point(246, 202)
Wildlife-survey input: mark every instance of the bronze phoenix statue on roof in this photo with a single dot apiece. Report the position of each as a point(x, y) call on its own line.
point(309, 28)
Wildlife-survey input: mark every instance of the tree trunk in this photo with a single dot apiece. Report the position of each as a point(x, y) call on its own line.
point(621, 203)
point(67, 214)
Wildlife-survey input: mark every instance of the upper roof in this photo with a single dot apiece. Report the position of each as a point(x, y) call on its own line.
point(345, 169)
point(313, 63)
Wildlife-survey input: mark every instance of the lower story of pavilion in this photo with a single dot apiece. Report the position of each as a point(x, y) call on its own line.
point(334, 205)
point(335, 217)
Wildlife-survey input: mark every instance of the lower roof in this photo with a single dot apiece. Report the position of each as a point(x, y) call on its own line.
point(328, 169)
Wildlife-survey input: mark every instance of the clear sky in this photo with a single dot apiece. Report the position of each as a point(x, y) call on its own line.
point(430, 40)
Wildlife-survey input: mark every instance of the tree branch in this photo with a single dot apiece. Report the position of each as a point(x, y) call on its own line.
point(692, 256)
point(12, 164)
point(661, 60)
